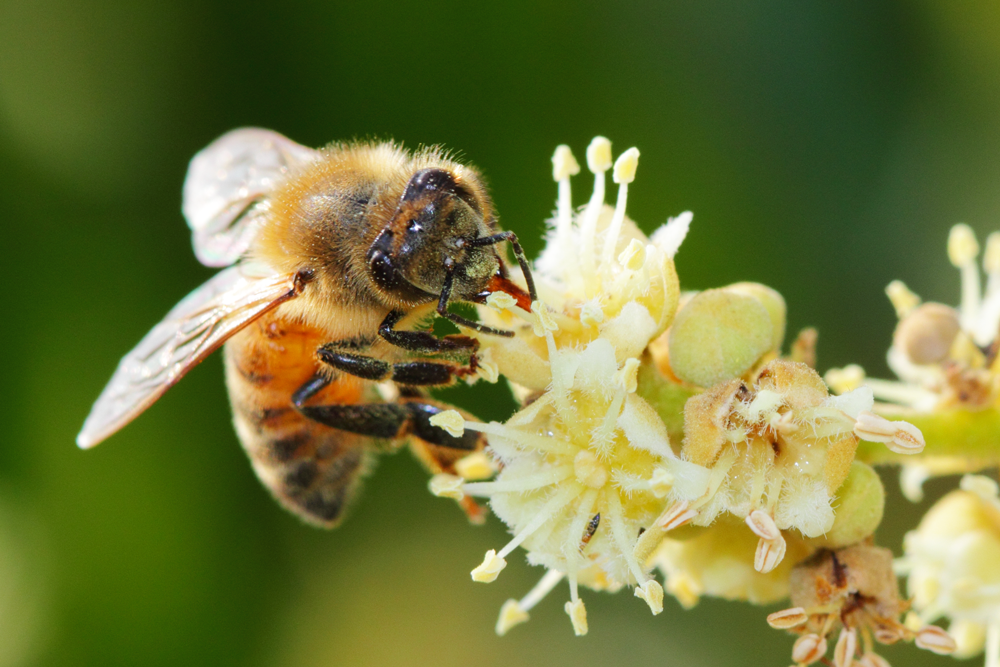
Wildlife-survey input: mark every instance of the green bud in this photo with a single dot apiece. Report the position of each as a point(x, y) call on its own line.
point(773, 301)
point(861, 500)
point(718, 335)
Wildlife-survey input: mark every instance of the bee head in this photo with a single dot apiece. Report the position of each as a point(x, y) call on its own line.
point(433, 234)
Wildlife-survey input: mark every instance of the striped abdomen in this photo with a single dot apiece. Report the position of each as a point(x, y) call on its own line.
point(313, 470)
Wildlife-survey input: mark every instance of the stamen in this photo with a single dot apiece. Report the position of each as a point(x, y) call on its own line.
point(525, 483)
point(911, 481)
point(616, 520)
point(993, 644)
point(548, 510)
point(873, 660)
point(763, 525)
point(900, 437)
point(769, 554)
point(991, 263)
point(444, 485)
point(633, 256)
point(962, 251)
point(847, 644)
point(511, 614)
point(903, 300)
point(898, 392)
point(787, 619)
point(500, 301)
point(652, 594)
point(935, 640)
point(488, 570)
point(541, 589)
point(624, 174)
point(451, 421)
point(521, 438)
point(677, 515)
point(808, 649)
point(578, 616)
point(598, 161)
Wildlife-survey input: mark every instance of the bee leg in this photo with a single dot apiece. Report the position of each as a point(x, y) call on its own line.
point(388, 420)
point(419, 373)
point(522, 260)
point(436, 448)
point(422, 341)
point(442, 310)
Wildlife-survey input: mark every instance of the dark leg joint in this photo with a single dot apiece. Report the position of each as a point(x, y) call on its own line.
point(377, 420)
point(423, 373)
point(308, 390)
point(422, 341)
point(366, 368)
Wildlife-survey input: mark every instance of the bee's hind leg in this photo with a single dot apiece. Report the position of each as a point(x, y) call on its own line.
point(408, 417)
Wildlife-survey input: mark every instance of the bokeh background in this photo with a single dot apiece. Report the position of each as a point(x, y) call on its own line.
point(825, 149)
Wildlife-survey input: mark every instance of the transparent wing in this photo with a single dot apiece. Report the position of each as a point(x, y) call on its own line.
point(226, 188)
point(190, 332)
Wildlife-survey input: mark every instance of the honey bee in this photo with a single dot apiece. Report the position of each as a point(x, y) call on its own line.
point(334, 256)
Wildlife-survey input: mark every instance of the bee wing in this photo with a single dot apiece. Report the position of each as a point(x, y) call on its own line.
point(226, 188)
point(195, 327)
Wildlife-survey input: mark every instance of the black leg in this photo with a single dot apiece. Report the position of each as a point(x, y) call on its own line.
point(385, 420)
point(420, 373)
point(422, 341)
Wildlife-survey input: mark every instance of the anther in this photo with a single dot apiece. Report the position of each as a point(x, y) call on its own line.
point(599, 155)
point(564, 164)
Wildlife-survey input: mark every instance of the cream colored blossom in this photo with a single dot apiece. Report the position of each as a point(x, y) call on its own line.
point(853, 590)
point(775, 451)
point(952, 563)
point(582, 468)
point(946, 360)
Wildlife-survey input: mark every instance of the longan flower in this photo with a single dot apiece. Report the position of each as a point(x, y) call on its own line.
point(952, 563)
point(854, 590)
point(776, 450)
point(583, 466)
point(946, 361)
point(718, 560)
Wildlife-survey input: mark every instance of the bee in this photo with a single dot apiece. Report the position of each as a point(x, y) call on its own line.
point(334, 257)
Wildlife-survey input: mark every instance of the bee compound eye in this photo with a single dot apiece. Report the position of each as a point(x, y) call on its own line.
point(427, 181)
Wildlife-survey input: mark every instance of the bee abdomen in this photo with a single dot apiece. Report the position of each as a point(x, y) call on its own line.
point(311, 469)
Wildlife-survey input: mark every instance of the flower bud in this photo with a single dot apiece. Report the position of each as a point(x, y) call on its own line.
point(862, 501)
point(717, 336)
point(772, 301)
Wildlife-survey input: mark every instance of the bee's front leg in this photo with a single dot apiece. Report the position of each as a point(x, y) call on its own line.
point(422, 341)
point(416, 373)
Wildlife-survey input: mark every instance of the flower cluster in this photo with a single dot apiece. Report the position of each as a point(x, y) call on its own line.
point(582, 466)
point(953, 565)
point(662, 431)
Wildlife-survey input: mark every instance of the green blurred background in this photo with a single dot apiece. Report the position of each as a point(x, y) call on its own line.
point(825, 149)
